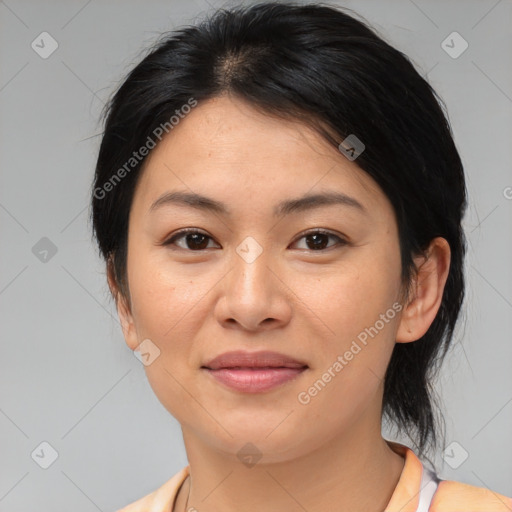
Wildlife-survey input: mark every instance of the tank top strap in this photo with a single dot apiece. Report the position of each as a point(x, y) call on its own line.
point(428, 487)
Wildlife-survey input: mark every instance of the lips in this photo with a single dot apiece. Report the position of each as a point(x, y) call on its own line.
point(253, 360)
point(253, 372)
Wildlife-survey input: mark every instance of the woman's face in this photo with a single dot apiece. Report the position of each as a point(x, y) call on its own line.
point(256, 280)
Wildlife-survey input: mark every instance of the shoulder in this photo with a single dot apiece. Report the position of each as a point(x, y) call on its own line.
point(420, 489)
point(452, 496)
point(161, 499)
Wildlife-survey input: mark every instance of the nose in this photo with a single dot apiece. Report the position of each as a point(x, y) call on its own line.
point(254, 296)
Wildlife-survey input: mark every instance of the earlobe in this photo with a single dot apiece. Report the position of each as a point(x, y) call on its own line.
point(123, 310)
point(428, 287)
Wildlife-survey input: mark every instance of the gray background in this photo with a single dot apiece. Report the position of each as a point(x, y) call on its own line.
point(67, 376)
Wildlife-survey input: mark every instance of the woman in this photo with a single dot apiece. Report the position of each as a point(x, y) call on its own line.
point(278, 198)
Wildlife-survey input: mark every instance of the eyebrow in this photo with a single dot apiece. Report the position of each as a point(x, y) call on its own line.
point(287, 207)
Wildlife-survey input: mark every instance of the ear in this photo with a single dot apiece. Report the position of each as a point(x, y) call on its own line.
point(422, 307)
point(123, 308)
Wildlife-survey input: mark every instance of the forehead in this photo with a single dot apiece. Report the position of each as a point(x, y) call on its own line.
point(226, 148)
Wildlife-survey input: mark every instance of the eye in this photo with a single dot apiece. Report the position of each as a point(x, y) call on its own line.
point(195, 240)
point(317, 239)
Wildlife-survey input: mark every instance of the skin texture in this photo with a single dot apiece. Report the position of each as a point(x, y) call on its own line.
point(304, 302)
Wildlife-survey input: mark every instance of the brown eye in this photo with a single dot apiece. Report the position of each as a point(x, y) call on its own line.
point(194, 240)
point(318, 240)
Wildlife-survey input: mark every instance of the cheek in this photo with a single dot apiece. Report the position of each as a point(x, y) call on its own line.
point(359, 306)
point(165, 303)
point(164, 296)
point(353, 297)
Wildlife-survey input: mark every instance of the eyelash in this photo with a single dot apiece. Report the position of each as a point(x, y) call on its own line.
point(184, 232)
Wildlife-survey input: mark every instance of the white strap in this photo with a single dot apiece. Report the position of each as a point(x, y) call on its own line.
point(428, 487)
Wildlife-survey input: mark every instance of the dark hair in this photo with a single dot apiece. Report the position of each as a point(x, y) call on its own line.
point(317, 64)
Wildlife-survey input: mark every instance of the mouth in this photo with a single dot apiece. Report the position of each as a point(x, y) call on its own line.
point(255, 372)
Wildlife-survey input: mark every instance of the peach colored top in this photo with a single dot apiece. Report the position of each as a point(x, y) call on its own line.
point(418, 490)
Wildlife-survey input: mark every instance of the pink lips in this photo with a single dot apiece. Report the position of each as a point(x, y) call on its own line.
point(254, 372)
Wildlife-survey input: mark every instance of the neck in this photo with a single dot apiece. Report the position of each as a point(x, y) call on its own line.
point(357, 471)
